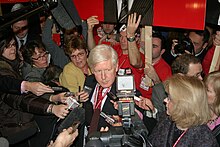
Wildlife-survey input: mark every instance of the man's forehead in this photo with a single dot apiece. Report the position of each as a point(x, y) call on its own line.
point(20, 23)
point(194, 68)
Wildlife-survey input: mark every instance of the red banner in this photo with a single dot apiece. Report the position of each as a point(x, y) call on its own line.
point(180, 13)
point(87, 8)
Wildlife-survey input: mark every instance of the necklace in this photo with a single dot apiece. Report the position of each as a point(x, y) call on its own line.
point(211, 122)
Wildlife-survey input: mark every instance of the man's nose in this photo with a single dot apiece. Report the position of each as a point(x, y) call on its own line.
point(103, 75)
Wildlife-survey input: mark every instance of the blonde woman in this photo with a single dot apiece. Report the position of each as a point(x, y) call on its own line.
point(212, 82)
point(187, 115)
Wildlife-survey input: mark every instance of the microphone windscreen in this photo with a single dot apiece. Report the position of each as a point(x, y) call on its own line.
point(66, 14)
point(4, 142)
point(62, 17)
point(77, 114)
point(88, 112)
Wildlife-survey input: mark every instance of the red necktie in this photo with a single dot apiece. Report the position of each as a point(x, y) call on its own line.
point(96, 113)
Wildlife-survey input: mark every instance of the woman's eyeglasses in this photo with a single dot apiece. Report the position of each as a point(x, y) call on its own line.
point(44, 54)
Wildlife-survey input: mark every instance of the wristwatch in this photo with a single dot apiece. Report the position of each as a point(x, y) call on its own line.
point(131, 39)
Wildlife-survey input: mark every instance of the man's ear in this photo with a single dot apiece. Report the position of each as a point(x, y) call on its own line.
point(162, 51)
point(117, 67)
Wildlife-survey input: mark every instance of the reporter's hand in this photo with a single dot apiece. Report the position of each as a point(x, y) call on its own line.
point(60, 111)
point(59, 97)
point(91, 22)
point(118, 121)
point(145, 104)
point(65, 138)
point(151, 73)
point(36, 88)
point(106, 129)
point(115, 104)
point(82, 96)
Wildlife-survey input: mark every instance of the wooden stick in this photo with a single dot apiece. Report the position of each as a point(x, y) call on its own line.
point(148, 50)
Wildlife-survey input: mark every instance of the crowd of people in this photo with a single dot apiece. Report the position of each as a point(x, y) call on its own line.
point(180, 107)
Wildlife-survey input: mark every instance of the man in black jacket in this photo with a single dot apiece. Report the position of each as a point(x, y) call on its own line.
point(103, 61)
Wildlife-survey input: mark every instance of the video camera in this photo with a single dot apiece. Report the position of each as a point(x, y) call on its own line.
point(184, 44)
point(133, 131)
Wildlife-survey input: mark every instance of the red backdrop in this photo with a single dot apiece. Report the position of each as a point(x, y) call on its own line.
point(180, 13)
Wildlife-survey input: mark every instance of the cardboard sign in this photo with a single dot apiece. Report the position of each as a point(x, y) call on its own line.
point(213, 12)
point(16, 1)
point(87, 8)
point(180, 13)
point(106, 10)
point(170, 13)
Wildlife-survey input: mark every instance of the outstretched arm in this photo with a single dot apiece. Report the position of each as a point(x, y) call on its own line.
point(91, 21)
point(133, 52)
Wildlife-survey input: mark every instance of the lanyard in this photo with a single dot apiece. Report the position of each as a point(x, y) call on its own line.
point(96, 102)
point(178, 140)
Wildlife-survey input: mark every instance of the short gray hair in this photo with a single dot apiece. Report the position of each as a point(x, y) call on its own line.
point(102, 53)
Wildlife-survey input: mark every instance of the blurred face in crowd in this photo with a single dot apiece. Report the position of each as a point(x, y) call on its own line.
point(169, 104)
point(79, 58)
point(197, 41)
point(123, 40)
point(10, 50)
point(105, 73)
point(108, 28)
point(211, 93)
point(20, 28)
point(40, 58)
point(156, 52)
point(195, 70)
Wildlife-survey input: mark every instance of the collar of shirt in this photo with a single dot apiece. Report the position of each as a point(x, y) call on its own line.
point(95, 94)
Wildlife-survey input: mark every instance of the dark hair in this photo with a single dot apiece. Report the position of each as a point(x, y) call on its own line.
point(70, 33)
point(29, 49)
point(5, 41)
point(52, 74)
point(157, 34)
point(205, 33)
point(181, 63)
point(73, 44)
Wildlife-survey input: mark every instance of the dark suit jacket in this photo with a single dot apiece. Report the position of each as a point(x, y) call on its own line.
point(142, 7)
point(108, 107)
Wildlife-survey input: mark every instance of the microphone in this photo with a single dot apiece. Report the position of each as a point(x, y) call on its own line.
point(88, 112)
point(66, 14)
point(77, 114)
point(4, 142)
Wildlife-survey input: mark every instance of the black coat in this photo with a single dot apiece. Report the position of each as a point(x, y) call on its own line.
point(108, 107)
point(14, 106)
point(10, 84)
point(163, 135)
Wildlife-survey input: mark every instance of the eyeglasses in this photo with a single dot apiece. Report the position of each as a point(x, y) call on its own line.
point(11, 45)
point(79, 55)
point(19, 29)
point(44, 54)
point(168, 96)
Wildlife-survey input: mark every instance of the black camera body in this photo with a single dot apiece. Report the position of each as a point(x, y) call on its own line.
point(133, 131)
point(184, 44)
